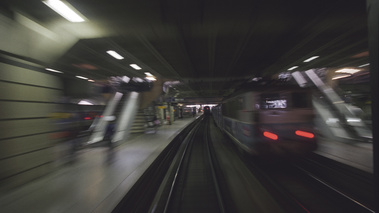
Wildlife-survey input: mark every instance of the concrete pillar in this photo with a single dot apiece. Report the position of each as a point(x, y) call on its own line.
point(373, 27)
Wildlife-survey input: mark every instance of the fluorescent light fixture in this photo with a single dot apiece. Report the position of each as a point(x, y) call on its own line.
point(348, 70)
point(292, 68)
point(354, 120)
point(148, 74)
point(364, 65)
point(115, 54)
point(151, 78)
point(52, 70)
point(84, 102)
point(81, 77)
point(311, 58)
point(135, 66)
point(90, 80)
point(64, 9)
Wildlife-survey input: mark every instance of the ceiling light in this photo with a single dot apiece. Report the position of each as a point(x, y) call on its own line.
point(81, 77)
point(348, 70)
point(311, 58)
point(84, 102)
point(135, 66)
point(148, 74)
point(292, 68)
point(64, 9)
point(115, 54)
point(364, 65)
point(151, 78)
point(52, 70)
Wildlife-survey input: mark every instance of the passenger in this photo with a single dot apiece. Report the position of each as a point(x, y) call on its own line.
point(109, 132)
point(73, 139)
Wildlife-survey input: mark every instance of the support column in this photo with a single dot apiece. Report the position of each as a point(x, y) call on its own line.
point(373, 27)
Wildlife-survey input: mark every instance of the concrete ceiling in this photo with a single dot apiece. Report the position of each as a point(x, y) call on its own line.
point(210, 46)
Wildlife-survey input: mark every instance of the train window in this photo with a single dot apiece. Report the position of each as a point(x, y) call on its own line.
point(273, 101)
point(300, 100)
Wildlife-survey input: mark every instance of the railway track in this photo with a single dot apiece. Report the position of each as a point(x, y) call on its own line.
point(195, 186)
point(201, 172)
point(318, 184)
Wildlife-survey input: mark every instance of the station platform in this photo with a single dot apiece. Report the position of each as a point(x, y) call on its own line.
point(357, 154)
point(96, 181)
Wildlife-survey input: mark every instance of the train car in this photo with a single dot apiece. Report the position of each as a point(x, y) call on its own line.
point(207, 110)
point(187, 112)
point(269, 120)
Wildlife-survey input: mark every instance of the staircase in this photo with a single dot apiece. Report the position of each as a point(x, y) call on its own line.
point(138, 126)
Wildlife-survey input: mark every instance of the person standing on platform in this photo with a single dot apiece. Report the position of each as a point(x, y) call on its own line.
point(109, 132)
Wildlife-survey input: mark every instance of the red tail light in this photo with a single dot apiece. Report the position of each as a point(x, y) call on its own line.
point(270, 135)
point(87, 118)
point(304, 134)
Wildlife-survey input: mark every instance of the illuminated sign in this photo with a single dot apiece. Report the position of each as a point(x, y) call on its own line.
point(275, 104)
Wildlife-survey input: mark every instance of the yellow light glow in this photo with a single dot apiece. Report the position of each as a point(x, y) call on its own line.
point(348, 70)
point(340, 76)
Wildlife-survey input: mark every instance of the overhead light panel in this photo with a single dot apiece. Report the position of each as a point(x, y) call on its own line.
point(52, 70)
point(148, 74)
point(311, 58)
point(364, 65)
point(65, 9)
point(81, 77)
point(151, 78)
point(292, 68)
point(115, 54)
point(84, 102)
point(135, 66)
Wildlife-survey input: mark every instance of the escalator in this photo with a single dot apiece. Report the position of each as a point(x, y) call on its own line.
point(335, 116)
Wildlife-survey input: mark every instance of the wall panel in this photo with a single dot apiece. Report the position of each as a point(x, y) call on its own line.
point(28, 97)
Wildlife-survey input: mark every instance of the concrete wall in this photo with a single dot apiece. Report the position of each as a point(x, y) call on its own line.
point(27, 99)
point(24, 37)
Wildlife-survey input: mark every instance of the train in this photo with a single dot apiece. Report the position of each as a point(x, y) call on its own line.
point(207, 110)
point(187, 112)
point(269, 120)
